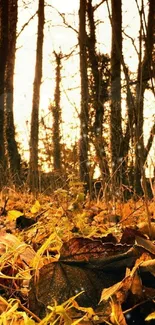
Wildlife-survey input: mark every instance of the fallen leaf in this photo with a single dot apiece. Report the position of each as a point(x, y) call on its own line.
point(36, 207)
point(148, 266)
point(123, 285)
point(136, 285)
point(146, 244)
point(23, 222)
point(85, 266)
point(150, 316)
point(14, 214)
point(117, 316)
point(144, 228)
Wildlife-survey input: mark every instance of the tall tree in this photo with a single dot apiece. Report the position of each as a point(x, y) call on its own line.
point(34, 137)
point(3, 63)
point(11, 144)
point(84, 114)
point(133, 133)
point(144, 74)
point(99, 84)
point(116, 111)
point(56, 111)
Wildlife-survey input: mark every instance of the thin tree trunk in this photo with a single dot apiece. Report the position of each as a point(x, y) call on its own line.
point(116, 118)
point(98, 94)
point(144, 74)
point(3, 62)
point(84, 115)
point(11, 144)
point(121, 171)
point(57, 117)
point(34, 137)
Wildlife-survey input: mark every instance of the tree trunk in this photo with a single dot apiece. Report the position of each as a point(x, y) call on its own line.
point(3, 62)
point(144, 75)
point(11, 145)
point(98, 96)
point(84, 115)
point(56, 111)
point(33, 168)
point(116, 118)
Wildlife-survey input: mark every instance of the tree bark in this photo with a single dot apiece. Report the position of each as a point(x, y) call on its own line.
point(143, 76)
point(116, 118)
point(99, 96)
point(84, 114)
point(34, 137)
point(56, 111)
point(3, 63)
point(11, 144)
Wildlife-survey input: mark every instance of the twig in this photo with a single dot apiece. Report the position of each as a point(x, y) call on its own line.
point(28, 311)
point(62, 15)
point(3, 209)
point(26, 24)
point(99, 4)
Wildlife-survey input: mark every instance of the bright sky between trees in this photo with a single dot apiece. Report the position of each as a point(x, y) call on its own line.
point(58, 37)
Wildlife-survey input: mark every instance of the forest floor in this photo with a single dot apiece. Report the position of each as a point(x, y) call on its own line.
point(67, 260)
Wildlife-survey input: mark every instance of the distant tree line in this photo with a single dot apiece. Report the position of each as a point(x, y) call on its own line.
point(107, 141)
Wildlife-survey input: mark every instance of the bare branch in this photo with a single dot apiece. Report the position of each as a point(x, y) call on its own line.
point(132, 41)
point(99, 4)
point(27, 23)
point(62, 15)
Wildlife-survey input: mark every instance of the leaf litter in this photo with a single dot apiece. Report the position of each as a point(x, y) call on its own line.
point(71, 261)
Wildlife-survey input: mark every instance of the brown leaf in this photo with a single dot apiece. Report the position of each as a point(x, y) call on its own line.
point(59, 281)
point(129, 235)
point(148, 266)
point(11, 244)
point(119, 289)
point(145, 244)
point(136, 286)
point(81, 268)
point(96, 254)
point(144, 228)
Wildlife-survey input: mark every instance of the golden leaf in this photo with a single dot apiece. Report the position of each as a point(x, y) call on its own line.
point(36, 207)
point(14, 214)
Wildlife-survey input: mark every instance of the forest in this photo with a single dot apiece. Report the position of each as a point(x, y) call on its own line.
point(77, 162)
point(114, 136)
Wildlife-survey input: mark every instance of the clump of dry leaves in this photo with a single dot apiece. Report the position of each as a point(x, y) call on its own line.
point(67, 260)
